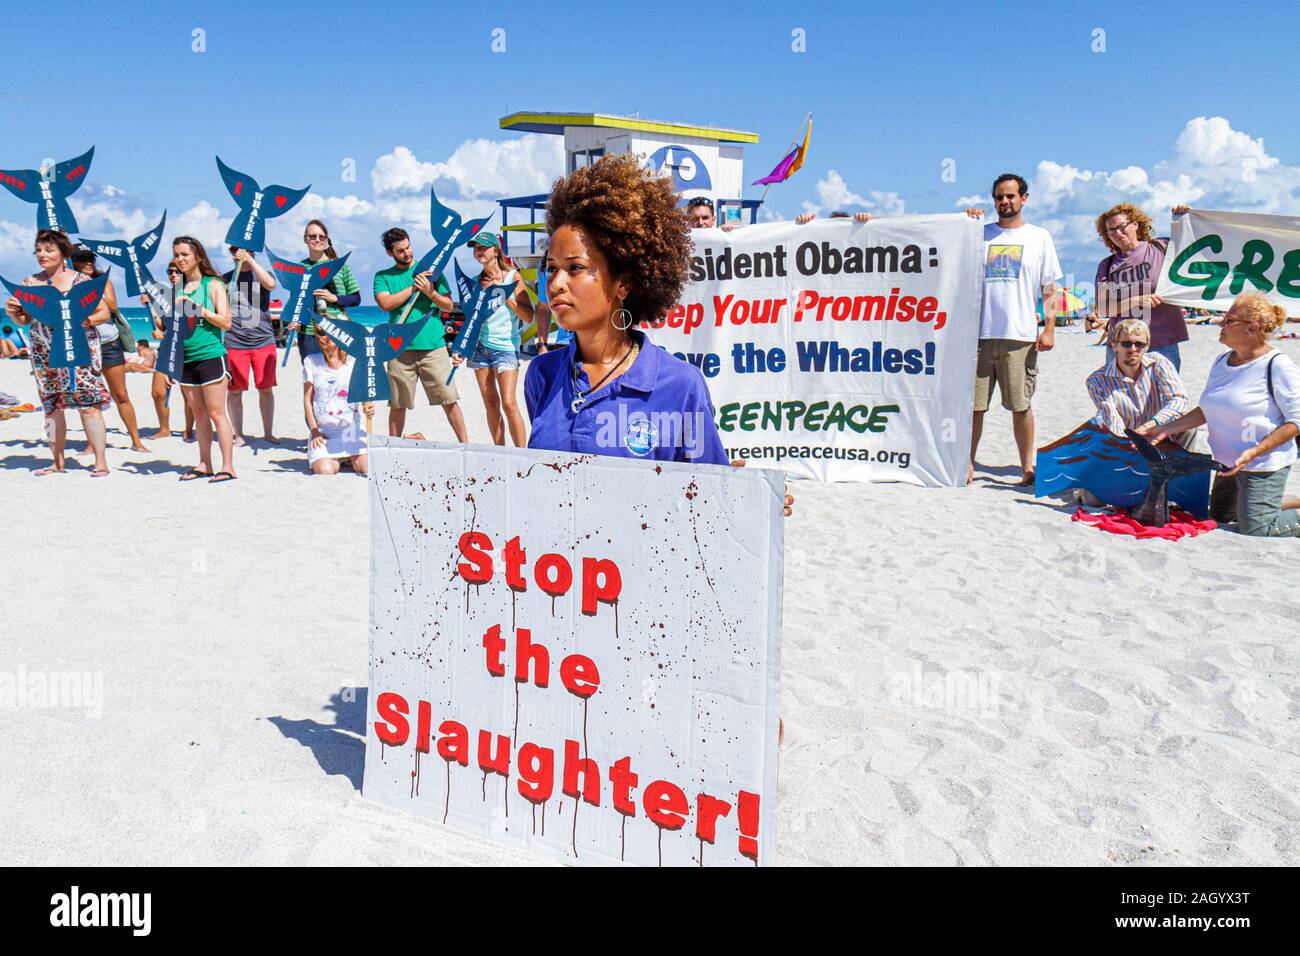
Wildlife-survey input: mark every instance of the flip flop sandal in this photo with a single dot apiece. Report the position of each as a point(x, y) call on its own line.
point(217, 479)
point(195, 473)
point(99, 473)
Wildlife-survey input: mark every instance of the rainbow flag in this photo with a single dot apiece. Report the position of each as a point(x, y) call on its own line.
point(788, 166)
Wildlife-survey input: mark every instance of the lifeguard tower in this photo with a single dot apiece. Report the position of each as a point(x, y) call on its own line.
point(702, 161)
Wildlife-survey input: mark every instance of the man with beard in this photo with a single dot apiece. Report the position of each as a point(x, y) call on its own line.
point(1019, 263)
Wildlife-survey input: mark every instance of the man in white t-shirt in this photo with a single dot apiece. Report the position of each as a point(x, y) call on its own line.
point(1019, 263)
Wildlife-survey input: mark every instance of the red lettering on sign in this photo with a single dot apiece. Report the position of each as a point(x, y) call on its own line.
point(32, 297)
point(76, 173)
point(239, 186)
point(474, 547)
point(89, 297)
point(13, 181)
point(288, 267)
point(393, 728)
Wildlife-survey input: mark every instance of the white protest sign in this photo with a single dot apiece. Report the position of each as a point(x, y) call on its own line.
point(1213, 257)
point(838, 350)
point(576, 655)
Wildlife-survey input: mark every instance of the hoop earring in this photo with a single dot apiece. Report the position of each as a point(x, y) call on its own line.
point(622, 319)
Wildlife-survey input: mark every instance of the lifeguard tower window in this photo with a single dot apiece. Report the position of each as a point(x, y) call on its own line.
point(579, 158)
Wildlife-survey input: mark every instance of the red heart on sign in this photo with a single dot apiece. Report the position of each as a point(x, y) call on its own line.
point(238, 187)
point(281, 200)
point(395, 341)
point(475, 228)
point(324, 273)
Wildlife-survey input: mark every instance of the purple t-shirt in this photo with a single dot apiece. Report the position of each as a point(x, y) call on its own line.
point(1124, 275)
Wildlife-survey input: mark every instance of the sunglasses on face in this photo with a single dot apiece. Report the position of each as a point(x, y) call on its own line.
point(316, 238)
point(1236, 322)
point(1126, 344)
point(1115, 230)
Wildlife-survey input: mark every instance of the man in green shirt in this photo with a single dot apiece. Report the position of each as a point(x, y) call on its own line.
point(425, 361)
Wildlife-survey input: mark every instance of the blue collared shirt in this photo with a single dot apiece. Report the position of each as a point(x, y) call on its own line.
point(658, 409)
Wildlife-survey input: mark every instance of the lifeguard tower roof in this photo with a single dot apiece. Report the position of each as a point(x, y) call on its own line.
point(557, 123)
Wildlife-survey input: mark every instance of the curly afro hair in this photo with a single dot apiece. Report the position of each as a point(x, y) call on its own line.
point(631, 216)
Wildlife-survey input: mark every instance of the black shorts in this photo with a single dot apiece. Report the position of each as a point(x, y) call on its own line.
point(204, 372)
point(111, 354)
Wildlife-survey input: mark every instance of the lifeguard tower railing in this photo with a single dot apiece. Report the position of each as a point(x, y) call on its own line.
point(728, 210)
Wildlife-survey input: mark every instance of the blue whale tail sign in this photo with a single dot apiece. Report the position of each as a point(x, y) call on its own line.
point(371, 347)
point(50, 192)
point(449, 231)
point(256, 205)
point(63, 313)
point(132, 256)
point(300, 280)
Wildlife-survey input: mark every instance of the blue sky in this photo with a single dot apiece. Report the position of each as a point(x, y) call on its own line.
point(1200, 102)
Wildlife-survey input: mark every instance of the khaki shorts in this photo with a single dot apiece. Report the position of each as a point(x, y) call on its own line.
point(430, 368)
point(1013, 365)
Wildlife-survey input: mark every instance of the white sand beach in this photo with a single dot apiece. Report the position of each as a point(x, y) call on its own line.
point(969, 677)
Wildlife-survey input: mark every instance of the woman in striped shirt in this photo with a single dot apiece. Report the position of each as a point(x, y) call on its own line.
point(1139, 389)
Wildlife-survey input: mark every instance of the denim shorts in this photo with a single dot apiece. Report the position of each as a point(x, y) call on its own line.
point(485, 357)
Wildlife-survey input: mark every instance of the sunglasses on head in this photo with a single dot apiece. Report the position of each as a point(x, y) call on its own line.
point(700, 201)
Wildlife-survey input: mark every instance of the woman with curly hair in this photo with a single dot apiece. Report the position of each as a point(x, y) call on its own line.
point(617, 257)
point(1126, 279)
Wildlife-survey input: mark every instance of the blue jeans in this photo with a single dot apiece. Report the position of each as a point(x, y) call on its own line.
point(1168, 351)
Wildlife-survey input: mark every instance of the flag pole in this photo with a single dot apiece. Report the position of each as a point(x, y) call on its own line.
point(793, 143)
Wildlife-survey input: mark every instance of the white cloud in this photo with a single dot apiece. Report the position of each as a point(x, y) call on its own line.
point(477, 169)
point(204, 222)
point(833, 194)
point(965, 202)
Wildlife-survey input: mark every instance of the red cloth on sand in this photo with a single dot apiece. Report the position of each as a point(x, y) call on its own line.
point(1181, 525)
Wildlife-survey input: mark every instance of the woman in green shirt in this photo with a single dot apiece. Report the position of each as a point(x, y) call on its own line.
point(340, 294)
point(203, 380)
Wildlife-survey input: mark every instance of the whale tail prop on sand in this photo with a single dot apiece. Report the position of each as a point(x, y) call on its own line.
point(50, 193)
point(256, 205)
point(1165, 465)
point(131, 257)
point(1112, 469)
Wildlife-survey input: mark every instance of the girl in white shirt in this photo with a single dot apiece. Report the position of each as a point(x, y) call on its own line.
point(1251, 404)
point(337, 435)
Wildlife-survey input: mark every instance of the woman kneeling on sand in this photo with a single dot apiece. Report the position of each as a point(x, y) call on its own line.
point(1253, 390)
point(337, 436)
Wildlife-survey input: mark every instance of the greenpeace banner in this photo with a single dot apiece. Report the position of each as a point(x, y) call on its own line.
point(576, 655)
point(1213, 257)
point(838, 350)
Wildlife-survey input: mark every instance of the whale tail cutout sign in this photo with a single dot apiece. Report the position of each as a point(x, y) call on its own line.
point(50, 195)
point(477, 303)
point(131, 257)
point(63, 313)
point(256, 205)
point(449, 231)
point(371, 348)
point(179, 316)
point(1112, 469)
point(300, 281)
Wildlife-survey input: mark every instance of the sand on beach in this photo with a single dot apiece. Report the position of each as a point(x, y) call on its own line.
point(982, 681)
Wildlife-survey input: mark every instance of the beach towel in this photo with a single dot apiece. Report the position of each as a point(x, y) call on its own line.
point(1181, 525)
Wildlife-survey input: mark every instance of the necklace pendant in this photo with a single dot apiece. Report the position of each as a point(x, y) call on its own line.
point(575, 405)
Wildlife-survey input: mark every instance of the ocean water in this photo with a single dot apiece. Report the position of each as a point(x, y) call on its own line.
point(367, 315)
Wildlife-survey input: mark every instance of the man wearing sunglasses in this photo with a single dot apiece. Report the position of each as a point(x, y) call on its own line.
point(699, 213)
point(1139, 389)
